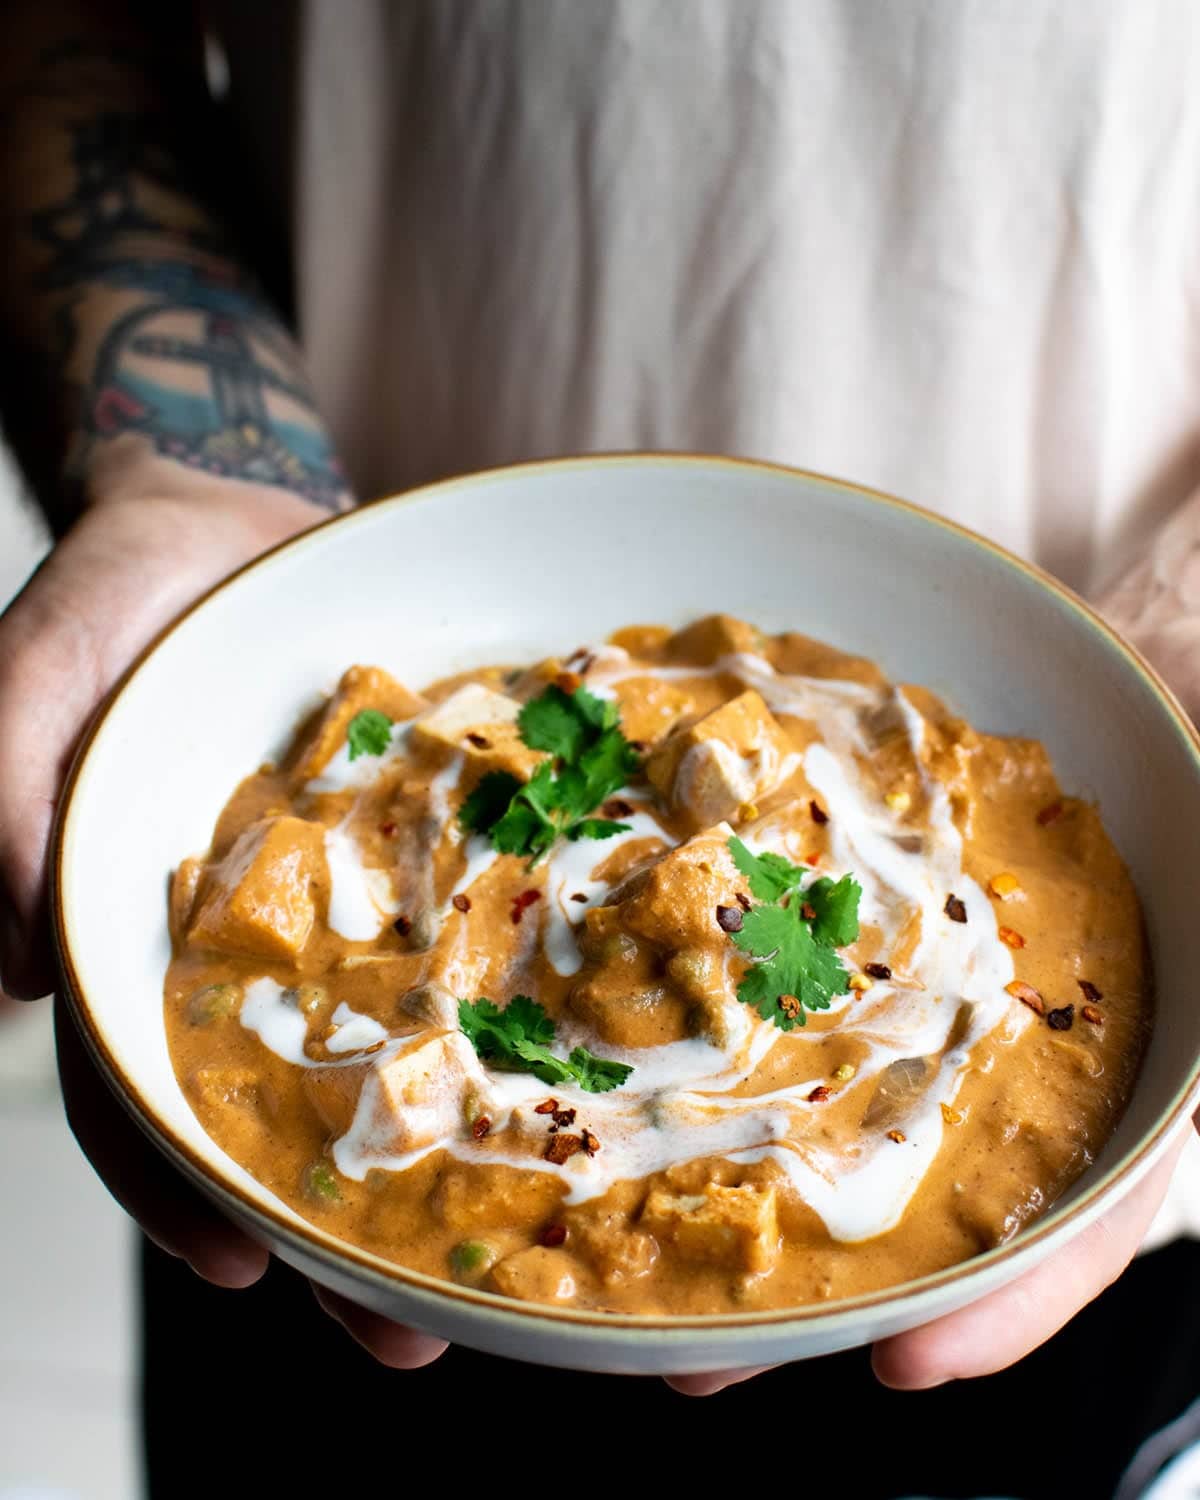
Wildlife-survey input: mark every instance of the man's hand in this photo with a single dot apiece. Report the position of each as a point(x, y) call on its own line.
point(125, 570)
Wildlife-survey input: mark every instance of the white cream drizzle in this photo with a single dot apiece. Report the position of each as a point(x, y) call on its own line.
point(678, 1104)
point(280, 1025)
point(361, 900)
point(354, 1031)
point(271, 1012)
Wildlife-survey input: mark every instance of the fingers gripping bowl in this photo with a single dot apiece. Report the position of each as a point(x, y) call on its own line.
point(395, 584)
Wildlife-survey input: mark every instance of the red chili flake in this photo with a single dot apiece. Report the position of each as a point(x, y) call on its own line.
point(546, 1107)
point(481, 1127)
point(388, 830)
point(819, 816)
point(480, 741)
point(561, 1148)
point(1050, 813)
point(589, 1143)
point(522, 902)
point(578, 896)
point(460, 902)
point(743, 900)
point(877, 971)
point(552, 1236)
point(564, 1117)
point(814, 858)
point(1027, 995)
point(729, 918)
point(1092, 1015)
point(403, 926)
point(568, 682)
point(790, 1006)
point(809, 912)
point(1061, 1019)
point(1011, 937)
point(898, 1136)
point(617, 807)
point(954, 909)
point(819, 1094)
point(1090, 992)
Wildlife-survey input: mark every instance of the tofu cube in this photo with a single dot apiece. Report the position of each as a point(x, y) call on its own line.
point(713, 768)
point(674, 902)
point(705, 641)
point(411, 1098)
point(536, 1275)
point(468, 1200)
point(360, 687)
point(481, 724)
point(261, 899)
point(736, 1227)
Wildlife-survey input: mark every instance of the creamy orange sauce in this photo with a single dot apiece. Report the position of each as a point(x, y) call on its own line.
point(323, 941)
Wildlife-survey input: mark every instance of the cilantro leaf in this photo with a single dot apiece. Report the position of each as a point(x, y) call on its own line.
point(770, 875)
point(522, 830)
point(598, 713)
point(551, 722)
point(530, 825)
point(596, 828)
point(604, 768)
point(608, 764)
point(836, 907)
point(597, 1074)
point(532, 1019)
point(368, 733)
point(789, 961)
point(518, 1038)
point(541, 1062)
point(793, 937)
point(476, 1021)
point(488, 802)
point(590, 760)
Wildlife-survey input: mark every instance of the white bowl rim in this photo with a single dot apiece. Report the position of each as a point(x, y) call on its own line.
point(1056, 1227)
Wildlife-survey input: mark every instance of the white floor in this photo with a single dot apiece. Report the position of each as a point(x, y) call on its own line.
point(67, 1333)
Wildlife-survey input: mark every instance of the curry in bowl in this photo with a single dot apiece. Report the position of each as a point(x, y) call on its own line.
point(697, 972)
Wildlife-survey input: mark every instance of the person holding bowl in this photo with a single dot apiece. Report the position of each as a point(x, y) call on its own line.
point(949, 254)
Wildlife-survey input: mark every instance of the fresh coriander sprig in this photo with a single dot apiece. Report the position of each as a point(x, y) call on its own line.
point(518, 1038)
point(368, 733)
point(590, 759)
point(793, 937)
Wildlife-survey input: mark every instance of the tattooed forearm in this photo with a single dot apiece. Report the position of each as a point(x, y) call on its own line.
point(147, 323)
point(188, 355)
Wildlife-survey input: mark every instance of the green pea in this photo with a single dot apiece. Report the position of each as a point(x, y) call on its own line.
point(471, 1258)
point(213, 1003)
point(320, 1183)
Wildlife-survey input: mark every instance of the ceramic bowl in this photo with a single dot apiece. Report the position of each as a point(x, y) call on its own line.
point(526, 561)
